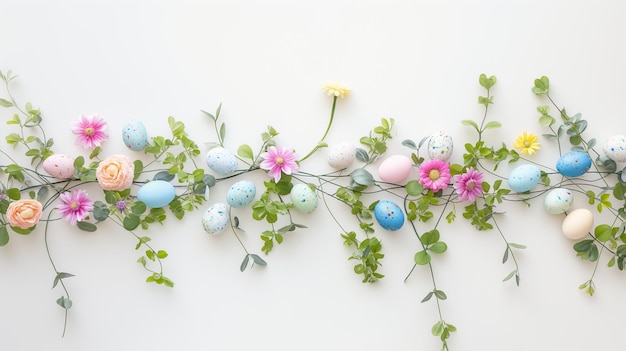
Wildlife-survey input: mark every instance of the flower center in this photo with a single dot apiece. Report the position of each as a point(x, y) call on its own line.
point(279, 160)
point(26, 213)
point(527, 144)
point(434, 174)
point(74, 205)
point(89, 131)
point(470, 185)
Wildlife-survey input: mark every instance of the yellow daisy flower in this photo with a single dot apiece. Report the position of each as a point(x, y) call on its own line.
point(336, 90)
point(527, 142)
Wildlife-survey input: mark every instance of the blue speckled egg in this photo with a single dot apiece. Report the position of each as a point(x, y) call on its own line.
point(303, 198)
point(440, 147)
point(135, 135)
point(221, 161)
point(241, 194)
point(216, 218)
point(157, 193)
point(615, 148)
point(523, 178)
point(389, 215)
point(558, 200)
point(573, 164)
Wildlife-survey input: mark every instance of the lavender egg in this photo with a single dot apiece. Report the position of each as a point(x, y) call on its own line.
point(157, 193)
point(241, 194)
point(216, 218)
point(615, 148)
point(389, 215)
point(573, 164)
point(303, 198)
point(440, 146)
point(523, 178)
point(558, 200)
point(221, 161)
point(135, 135)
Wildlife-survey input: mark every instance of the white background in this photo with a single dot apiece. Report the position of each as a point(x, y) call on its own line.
point(415, 61)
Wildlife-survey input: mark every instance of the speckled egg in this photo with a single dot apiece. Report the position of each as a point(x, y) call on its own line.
point(157, 193)
point(135, 135)
point(440, 146)
point(577, 224)
point(573, 164)
point(216, 218)
point(558, 200)
point(303, 198)
point(241, 194)
point(341, 155)
point(523, 178)
point(389, 215)
point(59, 166)
point(395, 169)
point(221, 161)
point(615, 148)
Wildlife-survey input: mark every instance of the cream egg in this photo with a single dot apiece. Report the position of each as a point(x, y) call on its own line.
point(577, 224)
point(341, 155)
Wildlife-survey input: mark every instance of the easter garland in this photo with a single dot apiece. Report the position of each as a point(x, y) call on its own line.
point(171, 181)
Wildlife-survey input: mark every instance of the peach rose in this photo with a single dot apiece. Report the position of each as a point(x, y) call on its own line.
point(115, 173)
point(24, 213)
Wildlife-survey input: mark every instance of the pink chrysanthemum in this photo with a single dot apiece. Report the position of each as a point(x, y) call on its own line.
point(469, 185)
point(90, 131)
point(435, 175)
point(75, 206)
point(278, 160)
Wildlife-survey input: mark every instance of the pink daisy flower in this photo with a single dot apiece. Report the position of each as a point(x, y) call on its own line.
point(469, 185)
point(90, 131)
point(278, 160)
point(435, 175)
point(75, 206)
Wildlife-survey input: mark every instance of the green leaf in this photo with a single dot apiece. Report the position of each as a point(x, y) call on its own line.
point(5, 103)
point(468, 122)
point(485, 82)
point(427, 297)
point(542, 86)
point(493, 125)
point(258, 260)
point(244, 263)
point(517, 246)
point(440, 295)
point(245, 151)
point(422, 258)
point(4, 236)
point(437, 329)
point(438, 247)
point(131, 222)
point(430, 237)
point(603, 232)
point(509, 276)
point(59, 277)
point(64, 302)
point(161, 254)
point(414, 188)
point(13, 193)
point(86, 226)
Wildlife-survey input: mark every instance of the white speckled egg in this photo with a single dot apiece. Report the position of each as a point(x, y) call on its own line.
point(135, 135)
point(615, 148)
point(389, 215)
point(577, 224)
point(341, 155)
point(558, 200)
point(304, 198)
point(241, 194)
point(59, 166)
point(395, 169)
point(157, 193)
point(523, 178)
point(573, 164)
point(216, 218)
point(440, 146)
point(221, 161)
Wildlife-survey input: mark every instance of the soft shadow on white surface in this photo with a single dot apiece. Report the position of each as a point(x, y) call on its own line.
point(417, 62)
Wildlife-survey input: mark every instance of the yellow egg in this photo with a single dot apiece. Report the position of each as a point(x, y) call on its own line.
point(577, 224)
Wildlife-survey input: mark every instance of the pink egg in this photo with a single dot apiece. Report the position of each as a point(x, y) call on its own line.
point(59, 166)
point(395, 169)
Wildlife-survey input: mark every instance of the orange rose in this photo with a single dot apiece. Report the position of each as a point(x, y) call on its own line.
point(115, 173)
point(24, 213)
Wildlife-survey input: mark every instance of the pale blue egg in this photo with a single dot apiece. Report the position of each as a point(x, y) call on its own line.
point(221, 161)
point(524, 178)
point(303, 198)
point(216, 218)
point(157, 193)
point(573, 164)
point(135, 135)
point(558, 200)
point(389, 215)
point(241, 194)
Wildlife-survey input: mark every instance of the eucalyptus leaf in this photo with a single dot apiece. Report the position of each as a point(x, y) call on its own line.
point(409, 143)
point(244, 263)
point(258, 260)
point(362, 155)
point(86, 226)
point(59, 277)
point(163, 175)
point(362, 177)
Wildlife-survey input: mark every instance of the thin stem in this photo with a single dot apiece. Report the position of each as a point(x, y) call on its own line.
point(56, 272)
point(330, 122)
